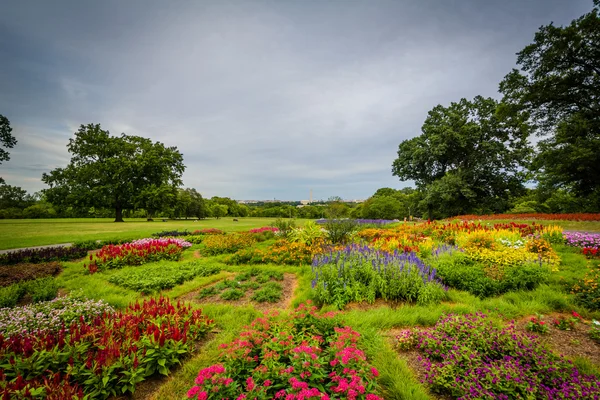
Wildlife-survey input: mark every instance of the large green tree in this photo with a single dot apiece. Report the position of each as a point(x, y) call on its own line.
point(558, 87)
point(470, 152)
point(112, 171)
point(6, 140)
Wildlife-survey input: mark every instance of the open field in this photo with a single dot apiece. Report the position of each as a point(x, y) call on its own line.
point(17, 233)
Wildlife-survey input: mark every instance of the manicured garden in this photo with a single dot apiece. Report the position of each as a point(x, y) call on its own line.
point(320, 310)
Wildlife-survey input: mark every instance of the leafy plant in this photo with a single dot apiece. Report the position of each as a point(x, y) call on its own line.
point(271, 292)
point(536, 324)
point(160, 277)
point(232, 294)
point(340, 230)
point(284, 226)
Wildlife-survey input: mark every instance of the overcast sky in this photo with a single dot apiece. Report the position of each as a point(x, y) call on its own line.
point(265, 99)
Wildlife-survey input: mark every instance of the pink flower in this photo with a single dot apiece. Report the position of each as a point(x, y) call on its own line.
point(374, 372)
point(267, 383)
point(192, 392)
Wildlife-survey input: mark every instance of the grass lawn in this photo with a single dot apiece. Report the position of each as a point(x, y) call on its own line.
point(16, 233)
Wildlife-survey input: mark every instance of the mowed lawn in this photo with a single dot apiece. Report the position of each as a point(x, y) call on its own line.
point(16, 233)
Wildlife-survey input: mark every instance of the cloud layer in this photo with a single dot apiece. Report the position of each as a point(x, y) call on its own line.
point(264, 99)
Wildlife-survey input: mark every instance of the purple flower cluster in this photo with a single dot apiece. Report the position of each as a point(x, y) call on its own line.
point(165, 241)
point(468, 357)
point(363, 221)
point(355, 255)
point(582, 239)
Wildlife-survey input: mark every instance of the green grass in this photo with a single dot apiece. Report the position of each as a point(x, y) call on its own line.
point(16, 233)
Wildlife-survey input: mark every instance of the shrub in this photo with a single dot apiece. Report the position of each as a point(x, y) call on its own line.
point(11, 274)
point(209, 231)
point(224, 244)
point(359, 273)
point(107, 355)
point(302, 356)
point(174, 233)
point(160, 277)
point(595, 331)
point(468, 357)
point(340, 230)
point(308, 234)
point(284, 226)
point(46, 254)
point(461, 271)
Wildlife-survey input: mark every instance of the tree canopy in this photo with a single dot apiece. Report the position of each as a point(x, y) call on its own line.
point(113, 171)
point(558, 88)
point(470, 153)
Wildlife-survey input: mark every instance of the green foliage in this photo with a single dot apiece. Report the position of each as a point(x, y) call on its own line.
point(36, 291)
point(308, 234)
point(124, 170)
point(271, 292)
point(6, 138)
point(340, 230)
point(153, 278)
point(459, 271)
point(558, 87)
point(535, 324)
point(468, 157)
point(232, 294)
point(285, 226)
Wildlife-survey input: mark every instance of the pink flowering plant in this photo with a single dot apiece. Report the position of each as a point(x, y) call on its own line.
point(301, 356)
point(469, 357)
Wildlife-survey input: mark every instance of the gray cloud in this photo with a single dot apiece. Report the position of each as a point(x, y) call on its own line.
point(265, 99)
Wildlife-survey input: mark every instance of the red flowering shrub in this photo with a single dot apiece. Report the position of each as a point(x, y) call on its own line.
point(303, 356)
point(104, 357)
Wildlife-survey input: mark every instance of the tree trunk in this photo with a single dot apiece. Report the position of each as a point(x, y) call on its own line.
point(118, 214)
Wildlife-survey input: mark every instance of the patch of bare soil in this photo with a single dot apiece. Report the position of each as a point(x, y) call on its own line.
point(146, 389)
point(570, 344)
point(289, 285)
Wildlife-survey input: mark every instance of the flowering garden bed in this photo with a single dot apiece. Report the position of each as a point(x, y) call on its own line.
point(303, 356)
point(467, 357)
point(98, 355)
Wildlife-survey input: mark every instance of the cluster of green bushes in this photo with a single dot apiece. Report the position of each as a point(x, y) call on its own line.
point(36, 290)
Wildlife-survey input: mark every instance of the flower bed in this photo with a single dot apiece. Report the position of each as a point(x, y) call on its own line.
point(137, 252)
point(281, 252)
point(160, 277)
point(303, 356)
point(224, 244)
point(583, 239)
point(534, 216)
point(467, 357)
point(50, 315)
point(360, 273)
point(42, 255)
point(107, 355)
